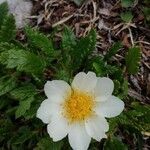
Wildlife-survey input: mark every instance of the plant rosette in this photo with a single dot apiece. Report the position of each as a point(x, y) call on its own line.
point(79, 110)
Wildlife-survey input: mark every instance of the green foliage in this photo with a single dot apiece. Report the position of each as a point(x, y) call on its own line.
point(124, 89)
point(146, 11)
point(31, 112)
point(127, 16)
point(62, 74)
point(24, 105)
point(133, 59)
point(25, 95)
point(23, 61)
point(83, 49)
point(76, 51)
point(127, 3)
point(5, 46)
point(133, 121)
point(3, 12)
point(68, 39)
point(146, 2)
point(46, 143)
point(113, 50)
point(140, 113)
point(114, 143)
point(8, 29)
point(7, 24)
point(39, 40)
point(7, 84)
point(102, 68)
point(24, 92)
point(23, 134)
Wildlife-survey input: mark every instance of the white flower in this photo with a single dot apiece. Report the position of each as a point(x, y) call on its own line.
point(79, 110)
point(21, 10)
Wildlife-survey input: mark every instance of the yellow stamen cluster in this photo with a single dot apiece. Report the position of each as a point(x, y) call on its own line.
point(78, 107)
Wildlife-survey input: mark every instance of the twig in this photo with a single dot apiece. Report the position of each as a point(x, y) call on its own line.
point(131, 36)
point(136, 95)
point(94, 9)
point(144, 42)
point(62, 21)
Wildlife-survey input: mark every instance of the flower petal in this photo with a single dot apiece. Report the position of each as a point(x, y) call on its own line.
point(57, 90)
point(110, 108)
point(58, 128)
point(103, 89)
point(46, 110)
point(78, 138)
point(96, 127)
point(84, 82)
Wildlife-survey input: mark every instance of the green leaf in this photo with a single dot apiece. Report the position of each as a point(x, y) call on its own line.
point(31, 113)
point(113, 125)
point(24, 92)
point(24, 106)
point(146, 2)
point(68, 44)
point(140, 116)
point(115, 144)
point(84, 48)
point(3, 12)
point(6, 127)
point(5, 46)
point(22, 135)
point(124, 89)
point(146, 11)
point(4, 57)
point(98, 68)
point(23, 61)
point(101, 68)
point(62, 75)
point(127, 3)
point(8, 29)
point(39, 40)
point(127, 16)
point(68, 39)
point(132, 60)
point(75, 52)
point(46, 143)
point(3, 101)
point(113, 50)
point(7, 83)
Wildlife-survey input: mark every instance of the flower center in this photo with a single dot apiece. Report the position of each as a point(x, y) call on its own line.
point(78, 107)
